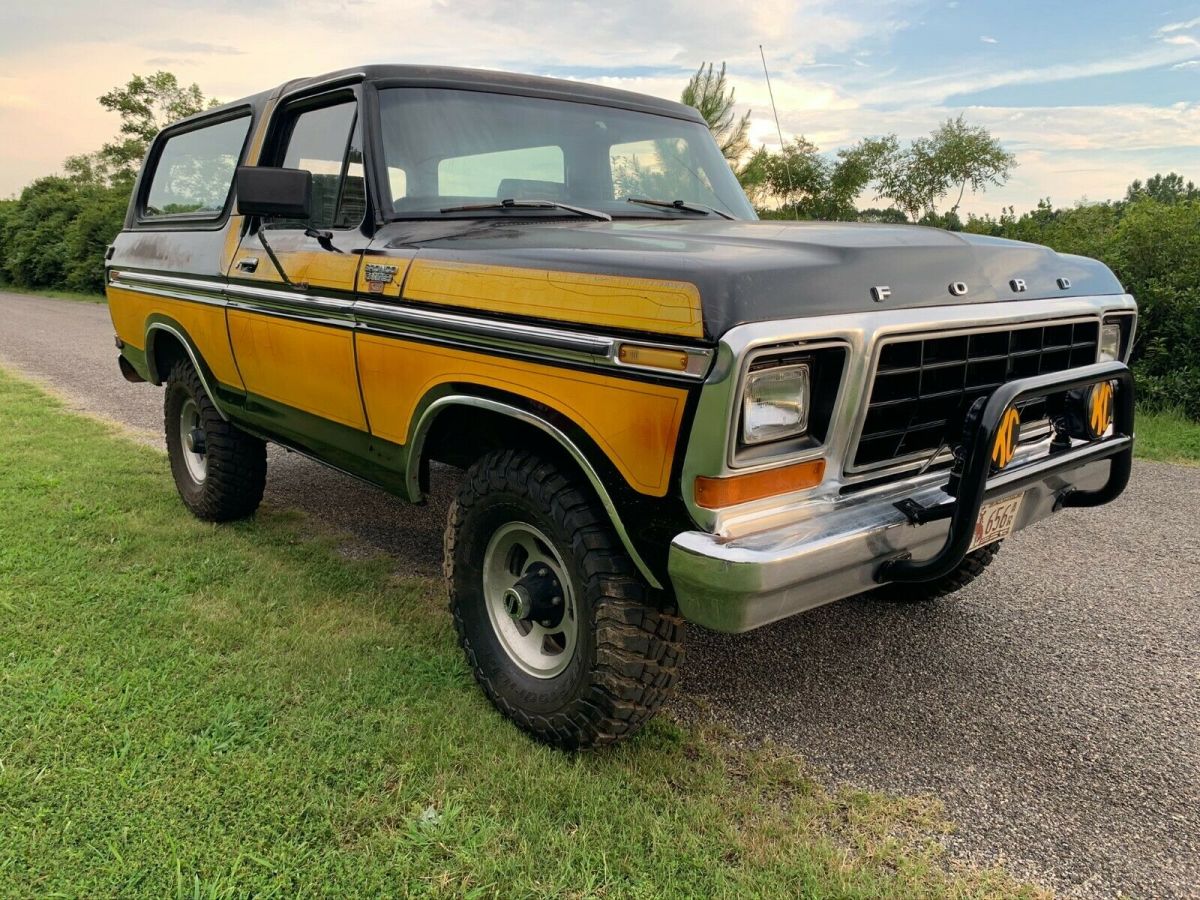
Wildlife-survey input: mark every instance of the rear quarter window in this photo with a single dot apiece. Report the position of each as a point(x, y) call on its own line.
point(193, 172)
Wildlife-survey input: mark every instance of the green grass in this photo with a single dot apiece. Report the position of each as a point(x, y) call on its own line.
point(205, 711)
point(57, 295)
point(1167, 437)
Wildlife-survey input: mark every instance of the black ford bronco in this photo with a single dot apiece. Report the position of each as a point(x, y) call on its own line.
point(665, 409)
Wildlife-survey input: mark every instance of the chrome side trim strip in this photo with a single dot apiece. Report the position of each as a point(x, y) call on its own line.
point(290, 298)
point(557, 343)
point(187, 348)
point(192, 289)
point(417, 444)
point(542, 342)
point(166, 292)
point(380, 316)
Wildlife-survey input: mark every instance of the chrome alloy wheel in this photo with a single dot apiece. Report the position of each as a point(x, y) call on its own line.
point(192, 441)
point(529, 600)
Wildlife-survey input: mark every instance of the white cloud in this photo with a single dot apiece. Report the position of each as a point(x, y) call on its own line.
point(988, 40)
point(939, 87)
point(1190, 64)
point(1180, 26)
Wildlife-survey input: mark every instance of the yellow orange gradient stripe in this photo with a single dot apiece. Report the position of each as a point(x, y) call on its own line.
point(635, 424)
point(642, 304)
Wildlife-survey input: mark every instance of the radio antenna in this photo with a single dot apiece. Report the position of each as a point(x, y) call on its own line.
point(787, 166)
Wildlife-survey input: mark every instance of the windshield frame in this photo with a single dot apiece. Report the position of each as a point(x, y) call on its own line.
point(378, 158)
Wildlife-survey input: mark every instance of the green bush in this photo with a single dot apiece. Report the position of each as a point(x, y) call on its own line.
point(55, 234)
point(89, 234)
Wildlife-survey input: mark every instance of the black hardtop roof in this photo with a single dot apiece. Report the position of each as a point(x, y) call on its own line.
point(472, 79)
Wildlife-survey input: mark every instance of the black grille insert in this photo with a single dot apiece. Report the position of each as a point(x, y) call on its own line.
point(924, 386)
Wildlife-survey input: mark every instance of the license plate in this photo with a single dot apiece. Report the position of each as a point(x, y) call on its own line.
point(996, 521)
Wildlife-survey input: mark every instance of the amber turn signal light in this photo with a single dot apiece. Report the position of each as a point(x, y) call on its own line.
point(653, 357)
point(715, 493)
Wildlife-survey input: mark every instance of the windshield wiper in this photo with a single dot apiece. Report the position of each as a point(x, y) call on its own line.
point(683, 205)
point(510, 203)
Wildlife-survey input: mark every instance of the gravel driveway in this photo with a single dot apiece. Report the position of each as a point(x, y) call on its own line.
point(1054, 705)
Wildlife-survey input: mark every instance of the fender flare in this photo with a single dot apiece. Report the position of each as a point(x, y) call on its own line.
point(430, 414)
point(176, 331)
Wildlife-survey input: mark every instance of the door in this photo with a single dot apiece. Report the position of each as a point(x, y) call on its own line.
point(291, 283)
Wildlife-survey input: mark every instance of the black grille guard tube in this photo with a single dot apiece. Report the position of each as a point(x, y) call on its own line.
point(973, 484)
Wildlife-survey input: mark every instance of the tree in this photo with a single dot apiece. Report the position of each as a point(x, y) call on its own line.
point(1163, 188)
point(798, 175)
point(146, 104)
point(710, 93)
point(811, 185)
point(753, 177)
point(955, 156)
point(909, 178)
point(968, 156)
point(34, 252)
point(856, 167)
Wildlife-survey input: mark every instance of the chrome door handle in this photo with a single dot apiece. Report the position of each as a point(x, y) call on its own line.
point(249, 264)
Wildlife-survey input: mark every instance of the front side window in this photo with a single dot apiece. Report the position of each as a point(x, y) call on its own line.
point(467, 148)
point(194, 170)
point(325, 142)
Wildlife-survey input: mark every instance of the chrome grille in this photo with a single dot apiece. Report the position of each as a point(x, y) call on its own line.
point(923, 386)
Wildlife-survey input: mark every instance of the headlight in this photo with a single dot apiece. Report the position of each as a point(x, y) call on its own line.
point(1110, 343)
point(775, 404)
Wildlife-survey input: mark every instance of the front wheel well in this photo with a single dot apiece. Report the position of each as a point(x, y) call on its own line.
point(462, 434)
point(466, 429)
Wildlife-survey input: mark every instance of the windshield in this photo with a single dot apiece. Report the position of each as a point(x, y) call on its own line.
point(447, 148)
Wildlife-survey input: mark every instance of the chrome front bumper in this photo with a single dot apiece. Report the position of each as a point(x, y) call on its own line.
point(744, 583)
point(918, 531)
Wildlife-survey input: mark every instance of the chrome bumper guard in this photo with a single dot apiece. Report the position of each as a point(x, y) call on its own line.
point(742, 583)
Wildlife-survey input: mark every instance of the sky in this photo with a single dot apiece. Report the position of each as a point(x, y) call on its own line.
point(1088, 94)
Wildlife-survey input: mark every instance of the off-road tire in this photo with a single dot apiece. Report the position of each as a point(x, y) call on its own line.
point(968, 570)
point(236, 462)
point(627, 649)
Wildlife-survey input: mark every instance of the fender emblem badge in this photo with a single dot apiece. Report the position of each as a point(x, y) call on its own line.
point(1064, 284)
point(1018, 285)
point(880, 292)
point(379, 276)
point(959, 288)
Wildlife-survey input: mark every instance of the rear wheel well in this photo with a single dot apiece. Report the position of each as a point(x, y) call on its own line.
point(165, 350)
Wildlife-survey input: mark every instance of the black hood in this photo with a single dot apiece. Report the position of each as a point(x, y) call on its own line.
point(756, 271)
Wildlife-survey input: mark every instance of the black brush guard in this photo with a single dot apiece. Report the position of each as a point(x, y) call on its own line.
point(972, 481)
